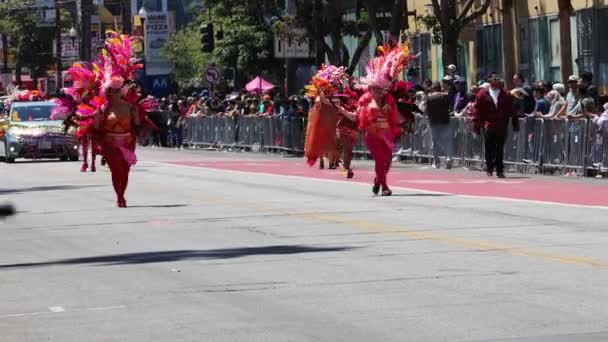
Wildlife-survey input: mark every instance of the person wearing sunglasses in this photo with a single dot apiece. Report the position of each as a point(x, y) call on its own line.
point(493, 109)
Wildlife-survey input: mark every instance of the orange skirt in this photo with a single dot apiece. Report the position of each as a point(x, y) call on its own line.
point(321, 132)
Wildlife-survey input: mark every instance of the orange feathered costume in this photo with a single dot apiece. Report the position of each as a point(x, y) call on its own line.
point(321, 132)
point(324, 116)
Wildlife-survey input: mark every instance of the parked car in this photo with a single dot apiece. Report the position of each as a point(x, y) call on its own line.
point(28, 132)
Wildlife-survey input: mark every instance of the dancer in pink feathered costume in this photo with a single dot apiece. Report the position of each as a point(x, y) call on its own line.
point(105, 104)
point(378, 114)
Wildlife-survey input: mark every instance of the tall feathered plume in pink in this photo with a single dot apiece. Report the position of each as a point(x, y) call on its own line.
point(385, 68)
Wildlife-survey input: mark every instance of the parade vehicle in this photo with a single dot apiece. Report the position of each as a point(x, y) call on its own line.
point(29, 132)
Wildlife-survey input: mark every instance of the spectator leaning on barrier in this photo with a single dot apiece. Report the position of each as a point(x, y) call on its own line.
point(420, 101)
point(558, 106)
point(438, 112)
point(602, 120)
point(561, 89)
point(492, 111)
point(572, 97)
point(585, 105)
point(587, 81)
point(460, 99)
point(542, 103)
point(525, 103)
point(266, 107)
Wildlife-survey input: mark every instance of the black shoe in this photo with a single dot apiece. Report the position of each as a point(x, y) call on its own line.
point(376, 188)
point(387, 192)
point(489, 173)
point(501, 175)
point(350, 174)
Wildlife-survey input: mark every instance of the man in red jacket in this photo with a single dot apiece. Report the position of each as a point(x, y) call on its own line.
point(492, 110)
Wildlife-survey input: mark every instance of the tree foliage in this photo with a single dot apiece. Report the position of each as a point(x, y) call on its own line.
point(33, 45)
point(183, 49)
point(332, 20)
point(247, 42)
point(448, 20)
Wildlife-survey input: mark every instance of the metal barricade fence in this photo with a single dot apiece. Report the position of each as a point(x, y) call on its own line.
point(458, 136)
point(473, 146)
point(555, 141)
point(576, 145)
point(558, 144)
point(422, 139)
point(597, 147)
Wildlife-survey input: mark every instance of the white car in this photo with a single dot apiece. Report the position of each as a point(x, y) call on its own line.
point(29, 133)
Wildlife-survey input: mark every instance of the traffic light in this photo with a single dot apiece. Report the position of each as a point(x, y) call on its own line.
point(207, 38)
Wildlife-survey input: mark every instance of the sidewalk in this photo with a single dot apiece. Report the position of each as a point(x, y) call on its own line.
point(548, 189)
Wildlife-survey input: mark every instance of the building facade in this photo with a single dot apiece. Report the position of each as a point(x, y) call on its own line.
point(536, 37)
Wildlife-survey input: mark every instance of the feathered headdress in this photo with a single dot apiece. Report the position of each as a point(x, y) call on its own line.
point(27, 96)
point(329, 80)
point(114, 68)
point(118, 60)
point(385, 68)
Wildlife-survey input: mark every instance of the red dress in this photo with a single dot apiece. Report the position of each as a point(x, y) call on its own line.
point(117, 141)
point(321, 132)
point(381, 127)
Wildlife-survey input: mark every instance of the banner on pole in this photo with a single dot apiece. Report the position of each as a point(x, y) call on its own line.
point(157, 33)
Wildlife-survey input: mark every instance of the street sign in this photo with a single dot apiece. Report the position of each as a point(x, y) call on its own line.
point(213, 75)
point(290, 47)
point(46, 13)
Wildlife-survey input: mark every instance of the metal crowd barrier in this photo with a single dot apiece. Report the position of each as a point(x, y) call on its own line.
point(538, 146)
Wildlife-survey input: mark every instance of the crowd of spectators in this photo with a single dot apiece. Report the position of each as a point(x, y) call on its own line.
point(174, 110)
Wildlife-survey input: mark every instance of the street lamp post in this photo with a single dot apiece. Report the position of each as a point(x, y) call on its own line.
point(6, 76)
point(143, 14)
point(73, 34)
point(58, 79)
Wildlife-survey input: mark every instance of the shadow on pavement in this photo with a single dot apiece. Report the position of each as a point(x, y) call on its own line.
point(420, 195)
point(169, 256)
point(47, 188)
point(160, 206)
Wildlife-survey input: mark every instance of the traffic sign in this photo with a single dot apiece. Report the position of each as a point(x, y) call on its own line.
point(213, 75)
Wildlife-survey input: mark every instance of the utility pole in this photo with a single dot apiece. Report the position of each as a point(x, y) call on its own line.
point(4, 53)
point(59, 81)
point(6, 75)
point(86, 8)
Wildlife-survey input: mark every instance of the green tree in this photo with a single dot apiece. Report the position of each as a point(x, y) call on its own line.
point(332, 20)
point(33, 45)
point(448, 20)
point(184, 50)
point(247, 42)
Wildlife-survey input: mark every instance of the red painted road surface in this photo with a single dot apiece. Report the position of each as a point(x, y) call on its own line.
point(457, 183)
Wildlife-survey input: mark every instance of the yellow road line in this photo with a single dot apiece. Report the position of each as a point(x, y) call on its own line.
point(378, 227)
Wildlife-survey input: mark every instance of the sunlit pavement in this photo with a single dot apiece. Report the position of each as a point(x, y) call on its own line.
point(248, 247)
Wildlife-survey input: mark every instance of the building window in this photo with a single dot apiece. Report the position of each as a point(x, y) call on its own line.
point(488, 50)
point(539, 48)
point(555, 50)
point(423, 64)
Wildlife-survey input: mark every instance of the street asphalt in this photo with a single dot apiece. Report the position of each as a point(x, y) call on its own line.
point(204, 254)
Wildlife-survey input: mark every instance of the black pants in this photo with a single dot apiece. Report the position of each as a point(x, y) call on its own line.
point(495, 151)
